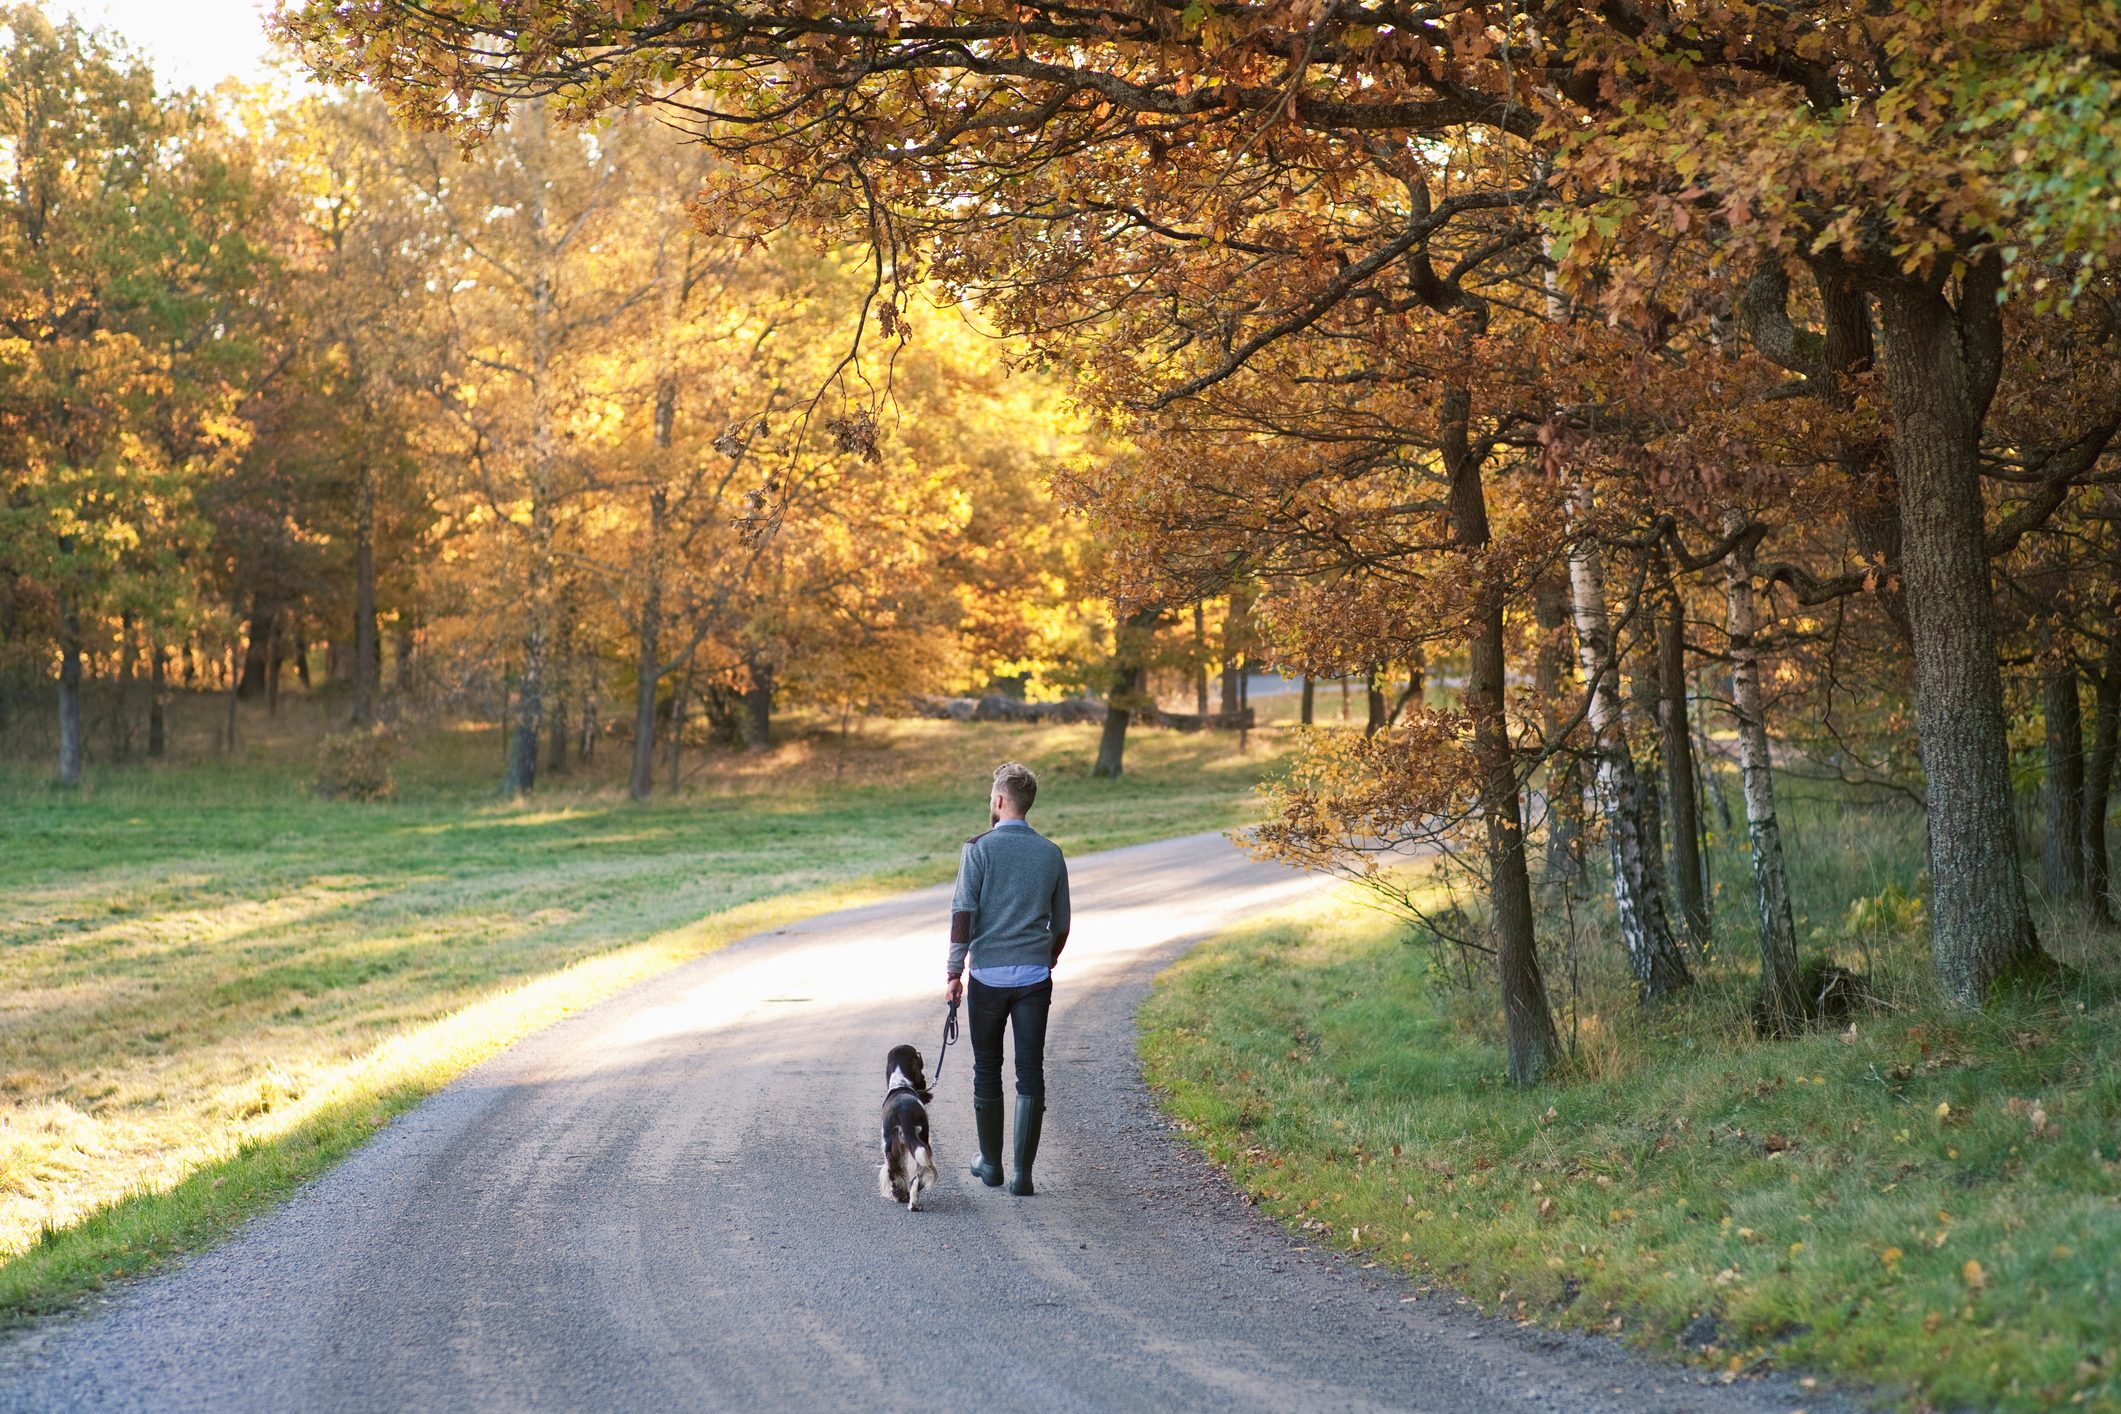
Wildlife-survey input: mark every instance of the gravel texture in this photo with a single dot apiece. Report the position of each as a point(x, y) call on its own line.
point(670, 1201)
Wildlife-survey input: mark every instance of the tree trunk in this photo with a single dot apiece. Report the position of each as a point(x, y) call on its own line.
point(1527, 1021)
point(1874, 496)
point(70, 743)
point(680, 704)
point(1679, 770)
point(368, 647)
point(591, 714)
point(1379, 708)
point(1309, 700)
point(2099, 782)
point(1417, 682)
point(256, 653)
point(298, 645)
point(1234, 635)
point(758, 706)
point(1127, 675)
point(522, 774)
point(1200, 659)
point(559, 731)
point(1638, 899)
point(1941, 367)
point(527, 734)
point(647, 666)
point(648, 662)
point(1112, 740)
point(1779, 1008)
point(121, 711)
point(1645, 701)
point(2062, 787)
point(401, 656)
point(1564, 788)
point(235, 694)
point(561, 678)
point(273, 659)
point(157, 723)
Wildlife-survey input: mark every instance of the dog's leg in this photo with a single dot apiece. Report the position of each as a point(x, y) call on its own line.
point(884, 1186)
point(924, 1174)
point(910, 1179)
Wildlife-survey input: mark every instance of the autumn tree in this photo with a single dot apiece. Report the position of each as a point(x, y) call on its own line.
point(132, 229)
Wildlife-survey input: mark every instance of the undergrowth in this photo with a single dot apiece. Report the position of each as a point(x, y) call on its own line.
point(1927, 1202)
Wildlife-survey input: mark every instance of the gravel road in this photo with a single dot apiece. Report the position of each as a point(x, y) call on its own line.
point(670, 1201)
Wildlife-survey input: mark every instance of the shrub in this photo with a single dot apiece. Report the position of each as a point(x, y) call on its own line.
point(355, 765)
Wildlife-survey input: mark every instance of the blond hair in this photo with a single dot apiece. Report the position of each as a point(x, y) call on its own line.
point(1014, 782)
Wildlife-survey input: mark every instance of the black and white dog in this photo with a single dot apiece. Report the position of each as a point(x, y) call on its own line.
point(909, 1163)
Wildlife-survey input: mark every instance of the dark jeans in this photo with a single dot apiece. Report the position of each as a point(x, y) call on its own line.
point(1023, 1010)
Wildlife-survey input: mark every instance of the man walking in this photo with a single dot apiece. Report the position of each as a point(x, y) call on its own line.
point(1010, 916)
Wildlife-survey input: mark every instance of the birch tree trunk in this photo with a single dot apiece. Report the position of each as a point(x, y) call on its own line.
point(1779, 1008)
point(1564, 782)
point(1638, 901)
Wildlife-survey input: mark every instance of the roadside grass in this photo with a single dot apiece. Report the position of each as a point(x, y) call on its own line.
point(1927, 1207)
point(213, 985)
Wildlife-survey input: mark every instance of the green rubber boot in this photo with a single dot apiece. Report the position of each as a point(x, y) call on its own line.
point(1030, 1118)
point(988, 1120)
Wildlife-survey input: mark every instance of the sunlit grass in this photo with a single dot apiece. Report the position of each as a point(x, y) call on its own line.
point(1930, 1204)
point(207, 974)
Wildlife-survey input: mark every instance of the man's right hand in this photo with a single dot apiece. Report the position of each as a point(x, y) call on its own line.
point(953, 989)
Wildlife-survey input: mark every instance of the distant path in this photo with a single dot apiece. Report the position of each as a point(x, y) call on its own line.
point(670, 1202)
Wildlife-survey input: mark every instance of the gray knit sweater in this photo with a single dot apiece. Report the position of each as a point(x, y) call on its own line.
point(1014, 883)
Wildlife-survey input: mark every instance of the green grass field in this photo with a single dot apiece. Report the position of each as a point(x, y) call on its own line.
point(1929, 1205)
point(212, 984)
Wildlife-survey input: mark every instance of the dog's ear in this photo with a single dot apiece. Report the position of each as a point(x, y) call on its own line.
point(927, 1096)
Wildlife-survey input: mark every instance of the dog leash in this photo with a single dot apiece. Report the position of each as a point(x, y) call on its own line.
point(949, 1035)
